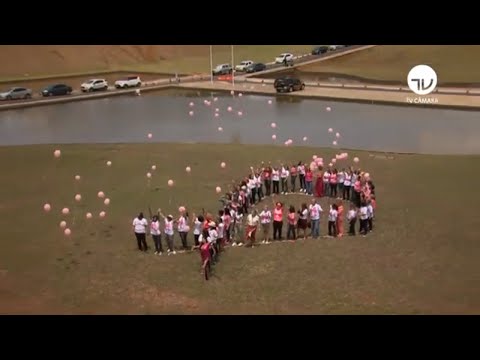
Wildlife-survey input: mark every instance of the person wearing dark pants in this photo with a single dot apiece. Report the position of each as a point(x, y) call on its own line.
point(352, 220)
point(293, 177)
point(155, 232)
point(267, 173)
point(284, 179)
point(140, 228)
point(340, 183)
point(333, 183)
point(291, 224)
point(301, 175)
point(347, 185)
point(276, 181)
point(332, 220)
point(258, 183)
point(370, 216)
point(363, 214)
point(277, 221)
point(254, 195)
point(276, 187)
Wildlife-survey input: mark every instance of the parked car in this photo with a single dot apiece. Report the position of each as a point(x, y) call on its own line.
point(222, 69)
point(281, 58)
point(320, 50)
point(129, 81)
point(256, 67)
point(288, 84)
point(243, 65)
point(57, 89)
point(16, 93)
point(335, 47)
point(94, 84)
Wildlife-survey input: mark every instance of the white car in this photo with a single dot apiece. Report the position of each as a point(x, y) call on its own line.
point(94, 85)
point(222, 69)
point(335, 47)
point(128, 81)
point(243, 65)
point(280, 59)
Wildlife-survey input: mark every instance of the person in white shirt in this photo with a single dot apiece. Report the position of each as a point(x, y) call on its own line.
point(197, 228)
point(221, 233)
point(301, 175)
point(168, 230)
point(326, 182)
point(303, 221)
point(332, 220)
point(213, 238)
point(370, 216)
point(347, 185)
point(352, 220)
point(252, 223)
point(284, 174)
point(276, 181)
point(237, 238)
point(155, 232)
point(340, 182)
point(182, 227)
point(315, 210)
point(140, 228)
point(266, 221)
point(363, 214)
point(258, 183)
point(252, 189)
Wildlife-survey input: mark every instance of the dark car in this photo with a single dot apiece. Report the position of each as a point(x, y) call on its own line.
point(288, 84)
point(256, 67)
point(320, 50)
point(57, 89)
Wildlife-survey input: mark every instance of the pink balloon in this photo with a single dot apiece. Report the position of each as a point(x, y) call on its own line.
point(240, 94)
point(314, 157)
point(57, 153)
point(334, 161)
point(269, 102)
point(334, 143)
point(190, 113)
point(47, 207)
point(305, 138)
point(109, 163)
point(154, 167)
point(67, 232)
point(229, 109)
point(101, 194)
point(77, 177)
point(337, 135)
point(328, 108)
point(218, 189)
point(191, 104)
point(274, 137)
point(170, 182)
point(273, 125)
point(106, 201)
point(188, 169)
point(181, 209)
point(78, 197)
point(217, 109)
point(88, 215)
point(65, 211)
point(223, 165)
point(356, 159)
point(149, 175)
point(330, 130)
point(220, 128)
point(240, 113)
point(215, 99)
point(63, 224)
point(232, 92)
point(102, 214)
point(217, 115)
point(149, 135)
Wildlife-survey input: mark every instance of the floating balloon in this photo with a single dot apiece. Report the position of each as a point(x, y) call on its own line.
point(305, 138)
point(217, 115)
point(273, 125)
point(149, 175)
point(67, 232)
point(330, 130)
point(106, 201)
point(223, 165)
point(63, 224)
point(47, 207)
point(57, 153)
point(356, 159)
point(191, 104)
point(240, 94)
point(101, 194)
point(154, 167)
point(109, 163)
point(274, 137)
point(220, 128)
point(218, 189)
point(150, 135)
point(269, 102)
point(190, 113)
point(188, 169)
point(217, 109)
point(170, 182)
point(215, 99)
point(205, 101)
point(337, 135)
point(240, 113)
point(102, 214)
point(88, 215)
point(229, 109)
point(328, 108)
point(334, 143)
point(78, 197)
point(65, 211)
point(181, 209)
point(77, 177)
point(232, 92)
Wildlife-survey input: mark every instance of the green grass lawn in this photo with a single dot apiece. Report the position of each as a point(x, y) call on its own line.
point(421, 258)
point(453, 63)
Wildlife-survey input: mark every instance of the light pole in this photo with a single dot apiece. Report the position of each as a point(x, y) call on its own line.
point(211, 64)
point(233, 69)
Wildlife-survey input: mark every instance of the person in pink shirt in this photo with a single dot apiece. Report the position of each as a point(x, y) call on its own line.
point(333, 183)
point(309, 180)
point(277, 221)
point(292, 222)
point(293, 176)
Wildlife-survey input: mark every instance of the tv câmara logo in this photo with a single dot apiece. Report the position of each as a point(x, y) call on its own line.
point(422, 79)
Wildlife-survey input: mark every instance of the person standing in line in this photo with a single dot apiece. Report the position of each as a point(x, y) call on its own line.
point(293, 177)
point(347, 184)
point(140, 228)
point(227, 221)
point(315, 210)
point(333, 183)
point(301, 175)
point(332, 221)
point(252, 224)
point(182, 227)
point(284, 173)
point(363, 214)
point(221, 234)
point(277, 221)
point(326, 182)
point(341, 183)
point(265, 221)
point(303, 221)
point(292, 222)
point(340, 218)
point(352, 220)
point(258, 183)
point(212, 238)
point(319, 185)
point(197, 228)
point(238, 233)
point(252, 189)
point(370, 216)
point(276, 181)
point(309, 181)
point(267, 179)
point(168, 230)
point(155, 232)
point(357, 190)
